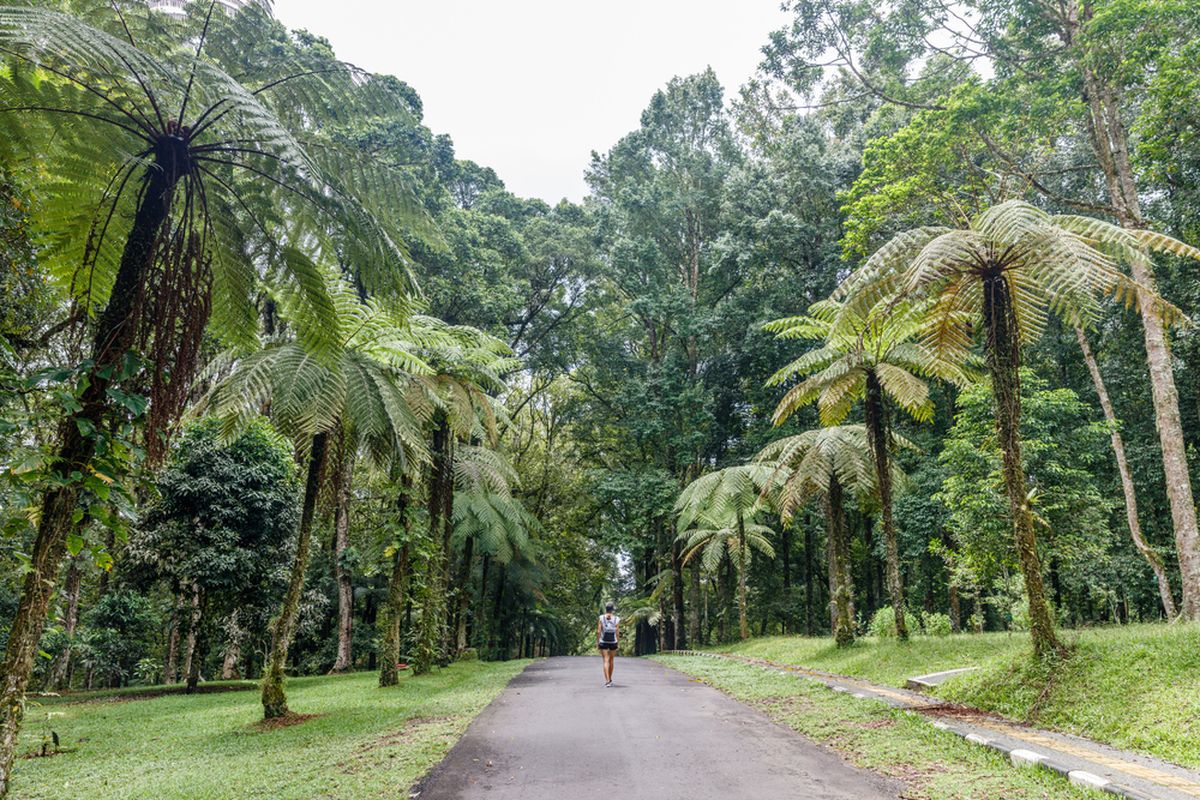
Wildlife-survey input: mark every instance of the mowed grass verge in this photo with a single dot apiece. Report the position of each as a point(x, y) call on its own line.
point(932, 764)
point(362, 742)
point(1134, 686)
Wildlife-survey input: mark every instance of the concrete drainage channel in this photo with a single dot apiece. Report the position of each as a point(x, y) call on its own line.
point(1084, 763)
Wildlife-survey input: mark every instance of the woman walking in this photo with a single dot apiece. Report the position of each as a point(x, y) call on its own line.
point(608, 634)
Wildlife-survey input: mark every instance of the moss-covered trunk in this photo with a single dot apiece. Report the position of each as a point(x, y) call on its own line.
point(879, 435)
point(840, 589)
point(397, 600)
point(341, 541)
point(1004, 363)
point(283, 627)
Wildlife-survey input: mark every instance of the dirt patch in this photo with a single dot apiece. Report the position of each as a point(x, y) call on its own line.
point(286, 721)
point(878, 723)
point(365, 755)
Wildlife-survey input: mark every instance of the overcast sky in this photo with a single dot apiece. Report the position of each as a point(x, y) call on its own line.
point(531, 87)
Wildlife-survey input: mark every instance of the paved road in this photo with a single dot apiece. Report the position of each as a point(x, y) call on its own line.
point(556, 732)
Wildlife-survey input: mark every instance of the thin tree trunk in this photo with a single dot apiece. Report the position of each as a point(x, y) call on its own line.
point(743, 625)
point(1110, 141)
point(189, 647)
point(170, 668)
point(1131, 507)
point(678, 610)
point(880, 440)
point(197, 646)
point(1004, 364)
point(60, 675)
point(274, 699)
point(341, 541)
point(840, 588)
point(809, 600)
point(233, 649)
point(464, 596)
point(115, 334)
point(447, 519)
point(389, 674)
point(694, 602)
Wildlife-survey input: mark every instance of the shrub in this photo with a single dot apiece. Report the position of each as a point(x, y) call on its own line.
point(936, 624)
point(883, 623)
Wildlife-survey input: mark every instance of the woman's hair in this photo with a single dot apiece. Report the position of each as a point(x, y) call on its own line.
point(608, 607)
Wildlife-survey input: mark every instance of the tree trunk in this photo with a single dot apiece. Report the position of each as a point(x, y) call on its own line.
point(678, 609)
point(840, 588)
point(274, 699)
point(60, 676)
point(1110, 141)
point(809, 600)
point(694, 602)
point(233, 649)
point(955, 609)
point(447, 520)
point(464, 596)
point(191, 666)
point(115, 335)
point(742, 567)
point(1131, 508)
point(389, 674)
point(341, 541)
point(879, 435)
point(169, 669)
point(1004, 364)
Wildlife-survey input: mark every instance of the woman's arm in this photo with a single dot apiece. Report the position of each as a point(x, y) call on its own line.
point(598, 629)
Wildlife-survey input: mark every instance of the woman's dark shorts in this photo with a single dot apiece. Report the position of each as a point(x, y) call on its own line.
point(608, 645)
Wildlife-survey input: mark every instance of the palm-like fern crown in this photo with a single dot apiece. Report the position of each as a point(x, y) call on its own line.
point(715, 514)
point(468, 374)
point(1061, 264)
point(261, 194)
point(722, 494)
point(484, 507)
point(369, 384)
point(806, 465)
point(878, 344)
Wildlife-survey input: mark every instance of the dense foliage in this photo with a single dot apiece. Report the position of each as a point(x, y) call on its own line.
point(882, 343)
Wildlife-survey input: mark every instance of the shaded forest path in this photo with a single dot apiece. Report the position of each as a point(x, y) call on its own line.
point(556, 732)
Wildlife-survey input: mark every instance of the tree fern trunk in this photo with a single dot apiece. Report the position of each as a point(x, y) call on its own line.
point(389, 675)
point(743, 625)
point(115, 333)
point(341, 541)
point(1131, 507)
point(464, 596)
point(840, 587)
point(878, 434)
point(1004, 364)
point(274, 699)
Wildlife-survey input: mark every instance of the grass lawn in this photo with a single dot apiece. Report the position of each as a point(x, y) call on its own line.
point(1136, 686)
point(364, 741)
point(933, 764)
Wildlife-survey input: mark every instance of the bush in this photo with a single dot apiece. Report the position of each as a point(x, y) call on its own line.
point(936, 624)
point(883, 623)
point(469, 654)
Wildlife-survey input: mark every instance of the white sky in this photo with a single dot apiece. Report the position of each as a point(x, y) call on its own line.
point(531, 87)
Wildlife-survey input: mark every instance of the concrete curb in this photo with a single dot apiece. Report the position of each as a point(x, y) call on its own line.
point(1018, 757)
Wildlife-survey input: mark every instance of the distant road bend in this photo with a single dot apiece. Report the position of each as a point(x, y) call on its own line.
point(557, 733)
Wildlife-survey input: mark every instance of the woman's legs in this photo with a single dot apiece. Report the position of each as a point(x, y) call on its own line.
point(608, 665)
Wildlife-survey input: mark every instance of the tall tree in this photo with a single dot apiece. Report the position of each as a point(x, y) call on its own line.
point(873, 359)
point(1004, 275)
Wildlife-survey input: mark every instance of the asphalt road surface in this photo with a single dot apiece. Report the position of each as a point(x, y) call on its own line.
point(557, 734)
